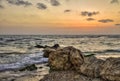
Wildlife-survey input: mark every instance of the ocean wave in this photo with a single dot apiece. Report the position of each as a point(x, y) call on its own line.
point(24, 61)
point(18, 65)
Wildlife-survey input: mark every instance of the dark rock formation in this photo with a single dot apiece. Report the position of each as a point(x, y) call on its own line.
point(29, 68)
point(40, 46)
point(53, 47)
point(67, 76)
point(70, 58)
point(88, 55)
point(111, 69)
point(91, 66)
point(56, 46)
point(65, 58)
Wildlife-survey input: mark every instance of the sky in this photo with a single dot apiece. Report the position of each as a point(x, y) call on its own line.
point(73, 17)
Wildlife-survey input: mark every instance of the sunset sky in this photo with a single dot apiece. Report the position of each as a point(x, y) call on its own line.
point(60, 17)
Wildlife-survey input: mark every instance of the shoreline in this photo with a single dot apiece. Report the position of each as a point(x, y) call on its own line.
point(38, 75)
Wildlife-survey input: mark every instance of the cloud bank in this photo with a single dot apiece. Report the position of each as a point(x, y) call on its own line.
point(54, 2)
point(19, 2)
point(41, 6)
point(114, 1)
point(1, 7)
point(89, 14)
point(117, 24)
point(90, 19)
point(105, 20)
point(65, 11)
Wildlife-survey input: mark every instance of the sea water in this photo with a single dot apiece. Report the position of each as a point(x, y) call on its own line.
point(17, 51)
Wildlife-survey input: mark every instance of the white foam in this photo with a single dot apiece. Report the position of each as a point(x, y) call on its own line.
point(27, 60)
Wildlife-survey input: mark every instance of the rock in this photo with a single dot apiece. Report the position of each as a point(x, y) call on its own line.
point(56, 46)
point(91, 66)
point(47, 46)
point(58, 60)
point(39, 46)
point(29, 68)
point(97, 79)
point(53, 47)
point(111, 69)
point(65, 58)
point(75, 56)
point(47, 51)
point(88, 55)
point(67, 76)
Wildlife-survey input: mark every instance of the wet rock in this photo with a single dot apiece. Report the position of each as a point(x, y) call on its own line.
point(88, 55)
point(111, 69)
point(67, 76)
point(91, 66)
point(53, 47)
point(65, 58)
point(29, 68)
point(56, 46)
point(47, 46)
point(47, 51)
point(39, 46)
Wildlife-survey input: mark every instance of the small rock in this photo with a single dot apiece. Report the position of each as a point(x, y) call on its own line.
point(39, 46)
point(88, 55)
point(47, 51)
point(29, 68)
point(56, 46)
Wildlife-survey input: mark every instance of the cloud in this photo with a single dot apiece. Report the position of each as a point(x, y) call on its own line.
point(114, 1)
point(65, 11)
point(1, 7)
point(41, 6)
point(54, 2)
point(105, 20)
point(19, 2)
point(86, 13)
point(90, 19)
point(117, 24)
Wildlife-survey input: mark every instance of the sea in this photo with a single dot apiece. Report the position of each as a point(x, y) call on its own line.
point(17, 51)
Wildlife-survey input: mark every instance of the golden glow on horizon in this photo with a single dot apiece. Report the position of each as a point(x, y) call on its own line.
point(54, 16)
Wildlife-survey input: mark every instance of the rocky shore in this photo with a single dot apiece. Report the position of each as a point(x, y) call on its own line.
point(69, 64)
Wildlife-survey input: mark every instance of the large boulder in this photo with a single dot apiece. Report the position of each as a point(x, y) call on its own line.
point(65, 58)
point(111, 69)
point(91, 66)
point(75, 56)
